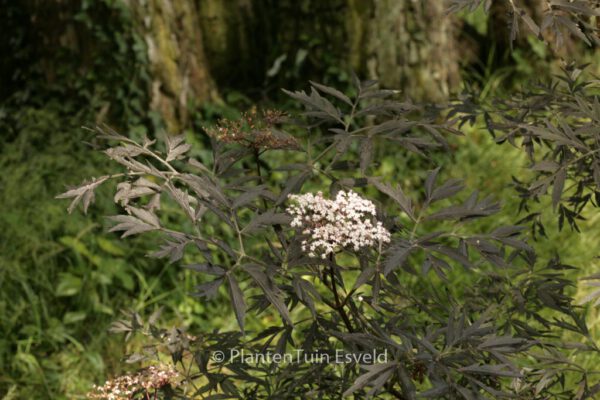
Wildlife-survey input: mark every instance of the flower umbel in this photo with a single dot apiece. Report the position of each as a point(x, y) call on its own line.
point(144, 382)
point(255, 131)
point(346, 222)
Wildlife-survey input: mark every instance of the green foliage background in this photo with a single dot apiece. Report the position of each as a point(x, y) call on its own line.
point(64, 279)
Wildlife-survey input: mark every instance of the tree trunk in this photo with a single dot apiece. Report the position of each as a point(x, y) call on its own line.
point(229, 28)
point(198, 46)
point(407, 45)
point(179, 67)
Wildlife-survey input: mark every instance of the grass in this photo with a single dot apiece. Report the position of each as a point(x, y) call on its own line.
point(64, 278)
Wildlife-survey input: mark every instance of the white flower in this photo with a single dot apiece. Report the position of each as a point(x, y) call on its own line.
point(346, 222)
point(125, 386)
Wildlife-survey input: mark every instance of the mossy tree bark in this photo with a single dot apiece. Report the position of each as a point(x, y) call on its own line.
point(62, 40)
point(179, 66)
point(407, 45)
point(229, 32)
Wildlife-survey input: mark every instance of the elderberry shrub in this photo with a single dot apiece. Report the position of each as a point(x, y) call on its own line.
point(321, 250)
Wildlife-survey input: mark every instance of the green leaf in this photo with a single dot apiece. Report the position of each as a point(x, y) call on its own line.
point(72, 317)
point(110, 247)
point(68, 285)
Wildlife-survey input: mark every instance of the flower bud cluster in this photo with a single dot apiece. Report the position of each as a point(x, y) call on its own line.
point(255, 131)
point(126, 386)
point(346, 222)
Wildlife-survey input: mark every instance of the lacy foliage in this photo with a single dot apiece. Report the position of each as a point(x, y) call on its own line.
point(495, 335)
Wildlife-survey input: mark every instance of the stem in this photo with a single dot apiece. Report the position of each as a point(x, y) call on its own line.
point(188, 372)
point(150, 153)
point(277, 227)
point(164, 162)
point(347, 298)
point(417, 221)
point(239, 234)
point(347, 124)
point(323, 153)
point(338, 306)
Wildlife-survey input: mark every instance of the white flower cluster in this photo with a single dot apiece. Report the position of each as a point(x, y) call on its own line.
point(348, 221)
point(125, 386)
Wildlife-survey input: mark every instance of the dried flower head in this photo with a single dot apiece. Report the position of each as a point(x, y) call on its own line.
point(255, 131)
point(144, 382)
point(346, 222)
